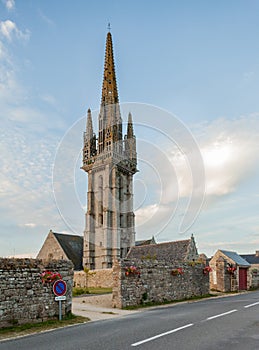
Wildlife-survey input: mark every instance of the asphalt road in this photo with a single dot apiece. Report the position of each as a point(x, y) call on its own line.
point(223, 323)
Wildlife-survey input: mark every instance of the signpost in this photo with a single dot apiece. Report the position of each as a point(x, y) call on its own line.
point(63, 297)
point(59, 289)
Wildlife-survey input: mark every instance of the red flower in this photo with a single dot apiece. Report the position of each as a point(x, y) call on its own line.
point(49, 276)
point(207, 269)
point(231, 269)
point(131, 270)
point(178, 271)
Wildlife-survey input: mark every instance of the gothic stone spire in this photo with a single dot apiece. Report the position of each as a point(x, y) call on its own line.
point(89, 125)
point(89, 139)
point(130, 142)
point(109, 89)
point(130, 132)
point(110, 122)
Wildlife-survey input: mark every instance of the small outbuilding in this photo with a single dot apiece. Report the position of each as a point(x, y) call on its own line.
point(253, 273)
point(61, 246)
point(229, 272)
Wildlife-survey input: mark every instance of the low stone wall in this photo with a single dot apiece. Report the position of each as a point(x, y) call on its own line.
point(253, 276)
point(155, 282)
point(23, 296)
point(93, 278)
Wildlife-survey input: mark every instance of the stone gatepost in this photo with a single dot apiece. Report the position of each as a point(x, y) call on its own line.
point(117, 301)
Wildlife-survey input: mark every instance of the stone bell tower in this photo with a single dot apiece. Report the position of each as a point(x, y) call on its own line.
point(110, 162)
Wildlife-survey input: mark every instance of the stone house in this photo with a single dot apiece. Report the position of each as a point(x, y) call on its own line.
point(253, 272)
point(59, 246)
point(229, 272)
point(184, 250)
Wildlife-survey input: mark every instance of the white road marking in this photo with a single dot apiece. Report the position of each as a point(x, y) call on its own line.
point(189, 325)
point(220, 315)
point(251, 305)
point(162, 335)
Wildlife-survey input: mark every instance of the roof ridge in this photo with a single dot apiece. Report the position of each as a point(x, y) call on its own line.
point(66, 234)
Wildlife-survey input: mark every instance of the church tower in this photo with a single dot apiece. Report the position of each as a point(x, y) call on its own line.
point(110, 161)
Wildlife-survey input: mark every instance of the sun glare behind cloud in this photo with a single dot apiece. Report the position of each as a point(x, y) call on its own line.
point(217, 155)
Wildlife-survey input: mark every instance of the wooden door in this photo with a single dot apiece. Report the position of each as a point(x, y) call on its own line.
point(242, 279)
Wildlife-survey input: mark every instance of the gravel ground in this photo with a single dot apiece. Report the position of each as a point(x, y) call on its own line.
point(97, 307)
point(104, 300)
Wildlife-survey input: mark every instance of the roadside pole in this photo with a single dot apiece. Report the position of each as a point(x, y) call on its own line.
point(59, 289)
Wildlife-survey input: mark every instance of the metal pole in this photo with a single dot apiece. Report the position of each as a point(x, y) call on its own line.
point(60, 309)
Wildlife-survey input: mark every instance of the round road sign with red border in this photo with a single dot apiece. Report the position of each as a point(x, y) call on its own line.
point(59, 288)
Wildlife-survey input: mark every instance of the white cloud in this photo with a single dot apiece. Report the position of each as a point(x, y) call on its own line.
point(24, 256)
point(26, 114)
point(27, 154)
point(26, 172)
point(46, 19)
point(9, 85)
point(146, 213)
point(230, 153)
point(21, 109)
point(49, 99)
point(9, 30)
point(29, 224)
point(9, 4)
point(3, 53)
point(229, 149)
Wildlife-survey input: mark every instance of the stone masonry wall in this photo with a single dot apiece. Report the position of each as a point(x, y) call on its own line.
point(156, 282)
point(24, 298)
point(93, 278)
point(220, 279)
point(253, 276)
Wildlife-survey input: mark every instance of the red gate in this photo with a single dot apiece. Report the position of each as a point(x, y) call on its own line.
point(242, 279)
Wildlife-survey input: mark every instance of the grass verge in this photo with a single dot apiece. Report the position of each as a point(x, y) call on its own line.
point(98, 290)
point(30, 328)
point(166, 302)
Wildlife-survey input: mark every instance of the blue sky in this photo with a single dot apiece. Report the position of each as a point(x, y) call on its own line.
point(197, 60)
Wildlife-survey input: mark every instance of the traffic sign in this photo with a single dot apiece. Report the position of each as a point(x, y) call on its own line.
point(61, 298)
point(59, 288)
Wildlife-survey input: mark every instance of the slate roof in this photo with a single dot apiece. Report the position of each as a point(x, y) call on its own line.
point(251, 258)
point(235, 257)
point(73, 248)
point(145, 242)
point(169, 251)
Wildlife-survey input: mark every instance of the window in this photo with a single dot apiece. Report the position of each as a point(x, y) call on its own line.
point(121, 220)
point(100, 200)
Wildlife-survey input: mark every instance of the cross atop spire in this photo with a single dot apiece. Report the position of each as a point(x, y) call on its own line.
point(109, 27)
point(109, 88)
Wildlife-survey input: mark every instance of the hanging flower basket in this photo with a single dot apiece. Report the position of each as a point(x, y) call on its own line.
point(50, 277)
point(231, 269)
point(207, 269)
point(177, 272)
point(132, 270)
